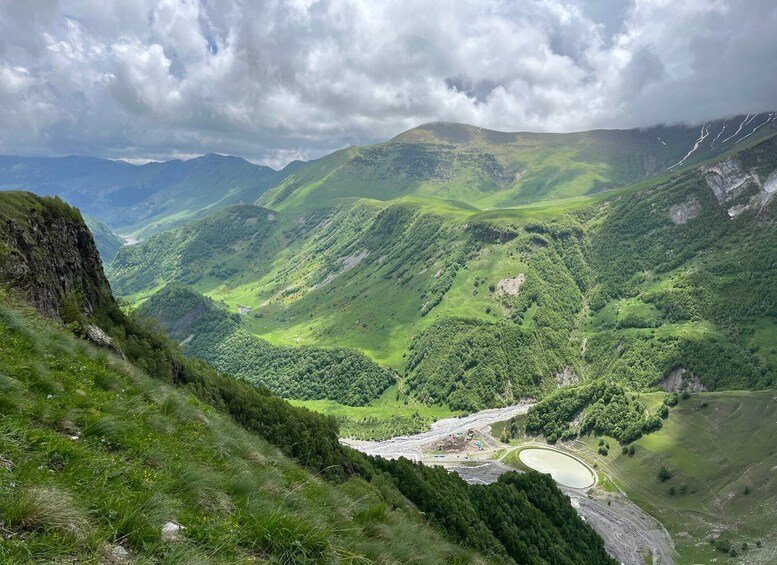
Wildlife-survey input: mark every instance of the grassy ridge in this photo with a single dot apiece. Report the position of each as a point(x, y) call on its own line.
point(489, 169)
point(96, 455)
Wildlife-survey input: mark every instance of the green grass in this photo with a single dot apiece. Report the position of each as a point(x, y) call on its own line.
point(715, 445)
point(486, 169)
point(96, 454)
point(392, 414)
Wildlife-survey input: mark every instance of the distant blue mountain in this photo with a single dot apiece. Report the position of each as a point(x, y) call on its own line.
point(139, 200)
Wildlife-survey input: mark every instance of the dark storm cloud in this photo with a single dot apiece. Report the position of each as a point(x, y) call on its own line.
point(276, 80)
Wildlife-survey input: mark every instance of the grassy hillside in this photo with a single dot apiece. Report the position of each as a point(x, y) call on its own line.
point(96, 458)
point(369, 277)
point(306, 373)
point(467, 165)
point(103, 460)
point(718, 450)
point(107, 242)
point(477, 311)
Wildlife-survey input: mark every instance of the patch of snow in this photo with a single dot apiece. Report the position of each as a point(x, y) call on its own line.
point(738, 130)
point(769, 118)
point(705, 130)
point(719, 133)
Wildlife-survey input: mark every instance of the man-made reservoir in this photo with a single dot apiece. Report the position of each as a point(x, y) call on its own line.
point(564, 469)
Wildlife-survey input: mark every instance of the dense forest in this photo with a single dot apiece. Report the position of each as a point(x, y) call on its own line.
point(305, 372)
point(522, 518)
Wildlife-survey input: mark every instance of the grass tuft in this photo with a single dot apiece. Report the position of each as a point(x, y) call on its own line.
point(44, 508)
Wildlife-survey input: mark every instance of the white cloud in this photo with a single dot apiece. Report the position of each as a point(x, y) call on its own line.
point(275, 80)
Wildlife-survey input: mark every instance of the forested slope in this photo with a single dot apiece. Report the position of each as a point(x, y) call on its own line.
point(94, 439)
point(668, 277)
point(304, 372)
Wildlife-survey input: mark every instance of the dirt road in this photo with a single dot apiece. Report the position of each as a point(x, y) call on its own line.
point(629, 533)
point(413, 447)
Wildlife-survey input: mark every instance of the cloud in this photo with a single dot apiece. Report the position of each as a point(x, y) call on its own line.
point(275, 80)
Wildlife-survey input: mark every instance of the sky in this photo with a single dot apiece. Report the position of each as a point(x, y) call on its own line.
point(275, 81)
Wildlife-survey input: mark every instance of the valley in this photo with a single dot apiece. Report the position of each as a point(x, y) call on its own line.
point(468, 447)
point(716, 446)
point(434, 304)
point(327, 282)
point(473, 310)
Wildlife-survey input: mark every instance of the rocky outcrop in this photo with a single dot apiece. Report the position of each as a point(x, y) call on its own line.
point(729, 181)
point(682, 212)
point(49, 257)
point(567, 377)
point(681, 379)
point(510, 286)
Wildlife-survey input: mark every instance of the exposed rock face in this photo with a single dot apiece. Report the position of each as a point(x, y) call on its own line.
point(728, 181)
point(684, 211)
point(510, 286)
point(680, 379)
point(567, 377)
point(47, 254)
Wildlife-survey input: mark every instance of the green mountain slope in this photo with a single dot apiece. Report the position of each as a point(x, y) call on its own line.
point(720, 489)
point(132, 451)
point(97, 458)
point(489, 169)
point(137, 200)
point(478, 309)
point(306, 373)
point(107, 242)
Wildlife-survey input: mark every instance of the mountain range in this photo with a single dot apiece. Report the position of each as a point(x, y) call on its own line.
point(605, 275)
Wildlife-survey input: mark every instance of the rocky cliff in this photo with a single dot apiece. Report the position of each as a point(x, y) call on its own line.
point(49, 257)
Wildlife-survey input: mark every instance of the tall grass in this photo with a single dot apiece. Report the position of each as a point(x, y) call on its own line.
point(42, 508)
